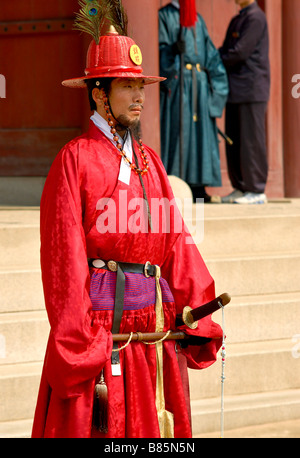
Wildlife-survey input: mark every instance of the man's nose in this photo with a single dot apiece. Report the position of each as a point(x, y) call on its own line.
point(139, 96)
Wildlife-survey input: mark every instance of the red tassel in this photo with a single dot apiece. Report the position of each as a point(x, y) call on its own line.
point(188, 13)
point(100, 412)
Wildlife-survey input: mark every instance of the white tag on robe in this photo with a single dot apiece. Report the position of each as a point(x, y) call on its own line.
point(116, 369)
point(125, 169)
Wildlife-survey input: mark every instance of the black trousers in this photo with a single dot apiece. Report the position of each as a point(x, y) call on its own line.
point(247, 158)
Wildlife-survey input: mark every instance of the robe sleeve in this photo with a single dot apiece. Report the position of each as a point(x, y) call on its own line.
point(76, 352)
point(217, 76)
point(169, 60)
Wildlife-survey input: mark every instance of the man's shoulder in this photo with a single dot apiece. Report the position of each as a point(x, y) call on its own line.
point(86, 140)
point(78, 150)
point(256, 12)
point(167, 7)
point(253, 17)
point(72, 147)
point(168, 10)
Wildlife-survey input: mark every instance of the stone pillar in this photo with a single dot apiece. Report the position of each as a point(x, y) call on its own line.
point(291, 104)
point(275, 185)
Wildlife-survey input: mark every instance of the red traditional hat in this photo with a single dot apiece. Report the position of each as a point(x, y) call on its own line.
point(112, 55)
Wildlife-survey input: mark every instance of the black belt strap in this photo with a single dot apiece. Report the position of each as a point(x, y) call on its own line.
point(118, 311)
point(146, 269)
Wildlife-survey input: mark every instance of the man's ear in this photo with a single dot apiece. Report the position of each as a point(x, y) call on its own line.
point(98, 95)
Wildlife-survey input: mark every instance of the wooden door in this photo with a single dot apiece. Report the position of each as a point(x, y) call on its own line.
point(38, 49)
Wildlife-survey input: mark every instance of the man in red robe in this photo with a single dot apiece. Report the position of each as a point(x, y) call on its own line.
point(92, 222)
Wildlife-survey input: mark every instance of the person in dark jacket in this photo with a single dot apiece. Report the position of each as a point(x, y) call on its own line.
point(245, 54)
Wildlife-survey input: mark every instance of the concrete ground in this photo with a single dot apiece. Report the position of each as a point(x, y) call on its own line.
point(282, 430)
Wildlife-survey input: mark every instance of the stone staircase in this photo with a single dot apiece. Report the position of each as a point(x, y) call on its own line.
point(253, 253)
point(23, 323)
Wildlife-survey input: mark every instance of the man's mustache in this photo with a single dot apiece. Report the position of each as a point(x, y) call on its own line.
point(136, 105)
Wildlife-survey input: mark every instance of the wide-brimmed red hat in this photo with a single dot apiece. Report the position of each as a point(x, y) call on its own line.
point(116, 56)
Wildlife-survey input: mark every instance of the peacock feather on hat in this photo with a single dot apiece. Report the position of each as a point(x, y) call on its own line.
point(94, 14)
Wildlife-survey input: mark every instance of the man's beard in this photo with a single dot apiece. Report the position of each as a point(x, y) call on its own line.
point(124, 123)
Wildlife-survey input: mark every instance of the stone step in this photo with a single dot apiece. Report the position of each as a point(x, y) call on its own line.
point(256, 274)
point(249, 368)
point(19, 384)
point(232, 229)
point(245, 410)
point(289, 429)
point(24, 335)
point(21, 289)
point(261, 317)
point(20, 429)
point(20, 245)
point(19, 237)
point(249, 235)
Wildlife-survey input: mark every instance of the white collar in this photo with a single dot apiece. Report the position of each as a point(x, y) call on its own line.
point(125, 170)
point(176, 3)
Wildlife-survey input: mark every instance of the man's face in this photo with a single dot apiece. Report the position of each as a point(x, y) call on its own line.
point(244, 3)
point(126, 98)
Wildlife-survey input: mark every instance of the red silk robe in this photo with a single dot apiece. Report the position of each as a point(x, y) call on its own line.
point(80, 341)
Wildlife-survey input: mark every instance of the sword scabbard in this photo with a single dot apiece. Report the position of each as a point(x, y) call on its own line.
point(191, 316)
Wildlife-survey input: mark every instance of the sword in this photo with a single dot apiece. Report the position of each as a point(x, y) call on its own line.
point(189, 317)
point(226, 138)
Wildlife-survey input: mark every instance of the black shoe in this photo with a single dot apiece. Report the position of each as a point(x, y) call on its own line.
point(200, 193)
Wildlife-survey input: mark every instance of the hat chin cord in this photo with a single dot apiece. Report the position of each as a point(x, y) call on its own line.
point(126, 128)
point(119, 126)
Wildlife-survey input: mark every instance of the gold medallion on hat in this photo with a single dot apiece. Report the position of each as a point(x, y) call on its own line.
point(136, 55)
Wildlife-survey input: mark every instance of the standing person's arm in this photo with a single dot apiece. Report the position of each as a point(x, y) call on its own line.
point(76, 351)
point(248, 37)
point(217, 77)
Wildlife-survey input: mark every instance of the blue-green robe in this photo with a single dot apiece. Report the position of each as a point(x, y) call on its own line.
point(201, 158)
